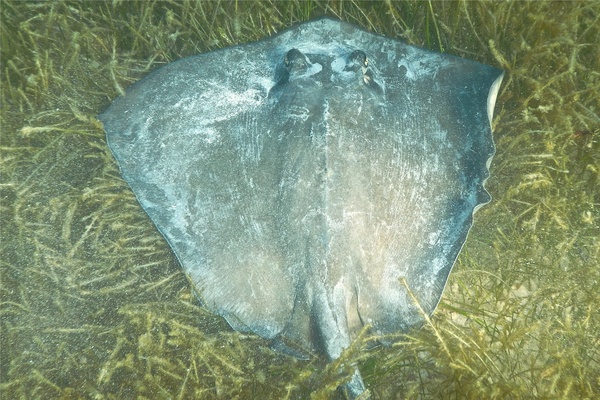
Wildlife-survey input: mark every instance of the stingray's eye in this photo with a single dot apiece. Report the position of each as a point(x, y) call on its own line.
point(295, 61)
point(295, 65)
point(357, 59)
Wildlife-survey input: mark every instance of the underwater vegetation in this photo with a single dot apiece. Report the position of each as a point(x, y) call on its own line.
point(93, 303)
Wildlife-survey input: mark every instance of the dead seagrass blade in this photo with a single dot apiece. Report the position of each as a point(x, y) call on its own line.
point(307, 181)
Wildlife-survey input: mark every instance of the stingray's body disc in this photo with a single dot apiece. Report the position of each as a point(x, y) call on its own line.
point(314, 182)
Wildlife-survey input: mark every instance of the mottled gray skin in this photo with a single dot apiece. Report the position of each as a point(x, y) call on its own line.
point(308, 181)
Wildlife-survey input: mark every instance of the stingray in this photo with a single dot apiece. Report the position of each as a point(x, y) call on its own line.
point(313, 183)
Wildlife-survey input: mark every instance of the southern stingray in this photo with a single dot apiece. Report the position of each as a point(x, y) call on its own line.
point(312, 183)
